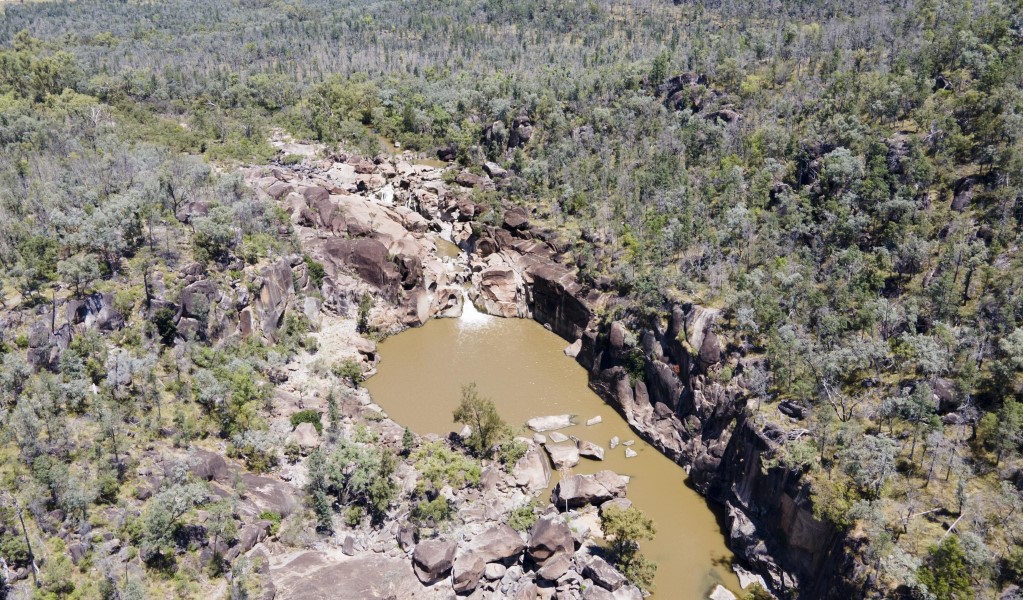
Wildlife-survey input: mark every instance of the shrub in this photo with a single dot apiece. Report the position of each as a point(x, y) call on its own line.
point(349, 369)
point(523, 518)
point(315, 270)
point(432, 512)
point(274, 518)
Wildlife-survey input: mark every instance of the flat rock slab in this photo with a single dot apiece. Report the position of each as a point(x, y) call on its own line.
point(549, 423)
point(563, 456)
point(326, 576)
point(557, 437)
point(594, 420)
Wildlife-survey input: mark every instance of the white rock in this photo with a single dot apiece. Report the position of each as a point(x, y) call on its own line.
point(629, 453)
point(629, 443)
point(721, 593)
point(557, 437)
point(573, 349)
point(594, 421)
point(539, 438)
point(563, 456)
point(614, 442)
point(549, 423)
point(590, 450)
point(495, 571)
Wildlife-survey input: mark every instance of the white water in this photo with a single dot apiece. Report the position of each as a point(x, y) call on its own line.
point(471, 317)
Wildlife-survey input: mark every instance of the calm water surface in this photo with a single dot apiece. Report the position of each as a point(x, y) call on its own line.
point(523, 368)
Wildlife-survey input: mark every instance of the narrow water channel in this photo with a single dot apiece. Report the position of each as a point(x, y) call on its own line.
point(523, 368)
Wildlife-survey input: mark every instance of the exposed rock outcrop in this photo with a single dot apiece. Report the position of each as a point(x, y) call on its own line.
point(579, 490)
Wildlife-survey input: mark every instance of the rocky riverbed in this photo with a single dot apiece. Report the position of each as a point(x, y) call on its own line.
point(375, 224)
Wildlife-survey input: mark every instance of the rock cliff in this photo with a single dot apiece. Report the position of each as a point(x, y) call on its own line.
point(660, 373)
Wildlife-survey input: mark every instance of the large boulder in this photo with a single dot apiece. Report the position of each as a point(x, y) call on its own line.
point(563, 456)
point(197, 299)
point(471, 180)
point(554, 568)
point(549, 423)
point(432, 560)
point(305, 436)
point(590, 450)
point(550, 536)
point(516, 219)
point(274, 294)
point(532, 472)
point(466, 572)
point(499, 543)
point(579, 490)
point(209, 466)
point(367, 257)
point(96, 311)
point(603, 574)
point(499, 291)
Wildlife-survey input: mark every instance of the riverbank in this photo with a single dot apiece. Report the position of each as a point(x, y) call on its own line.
point(661, 374)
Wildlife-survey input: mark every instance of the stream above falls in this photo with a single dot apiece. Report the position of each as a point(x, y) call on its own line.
point(523, 368)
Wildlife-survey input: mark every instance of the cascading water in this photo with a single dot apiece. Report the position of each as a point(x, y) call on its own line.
point(471, 317)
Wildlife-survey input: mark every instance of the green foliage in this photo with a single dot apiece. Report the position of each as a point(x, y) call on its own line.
point(510, 451)
point(439, 465)
point(307, 416)
point(432, 512)
point(523, 517)
point(275, 521)
point(365, 305)
point(624, 528)
point(757, 592)
point(352, 474)
point(480, 414)
point(945, 573)
point(162, 516)
point(166, 328)
point(1013, 564)
point(315, 270)
point(349, 369)
point(214, 236)
point(408, 441)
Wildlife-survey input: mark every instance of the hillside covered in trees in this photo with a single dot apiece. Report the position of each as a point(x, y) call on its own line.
point(842, 180)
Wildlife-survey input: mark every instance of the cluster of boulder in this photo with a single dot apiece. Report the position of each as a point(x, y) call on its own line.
point(500, 562)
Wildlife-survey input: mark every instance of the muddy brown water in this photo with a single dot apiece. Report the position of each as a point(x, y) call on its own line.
point(523, 368)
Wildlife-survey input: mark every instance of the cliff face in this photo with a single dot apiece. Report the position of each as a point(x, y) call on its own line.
point(656, 371)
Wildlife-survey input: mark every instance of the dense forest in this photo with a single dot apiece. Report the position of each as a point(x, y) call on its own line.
point(844, 180)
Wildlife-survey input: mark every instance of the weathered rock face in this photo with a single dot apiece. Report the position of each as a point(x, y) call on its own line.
point(532, 472)
point(499, 543)
point(563, 456)
point(274, 294)
point(579, 490)
point(690, 418)
point(95, 311)
point(604, 574)
point(368, 258)
point(590, 450)
point(433, 559)
point(550, 536)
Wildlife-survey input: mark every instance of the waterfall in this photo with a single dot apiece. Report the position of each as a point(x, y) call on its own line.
point(472, 318)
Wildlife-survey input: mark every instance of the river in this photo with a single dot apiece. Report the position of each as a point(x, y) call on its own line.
point(523, 368)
